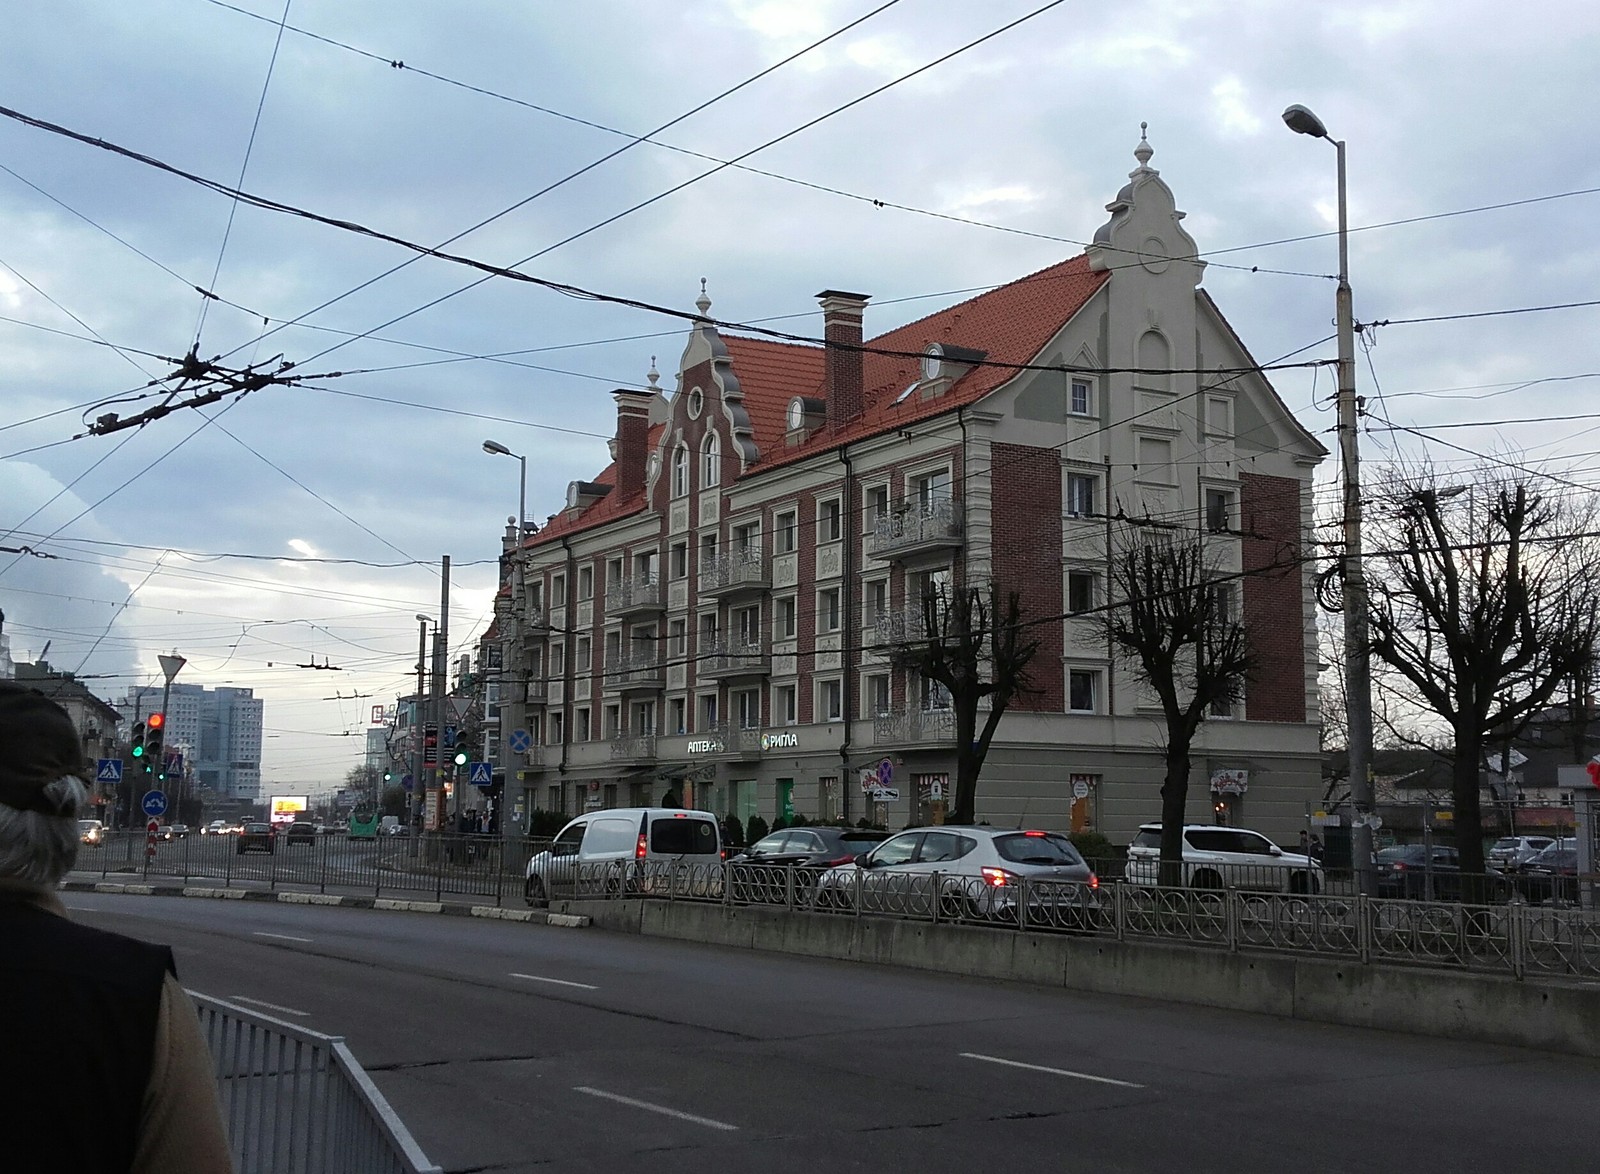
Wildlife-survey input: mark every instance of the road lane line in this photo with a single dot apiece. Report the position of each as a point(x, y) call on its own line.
point(287, 937)
point(269, 1006)
point(583, 986)
point(662, 1109)
point(1052, 1071)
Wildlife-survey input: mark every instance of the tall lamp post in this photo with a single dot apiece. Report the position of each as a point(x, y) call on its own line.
point(1353, 580)
point(419, 729)
point(512, 666)
point(500, 450)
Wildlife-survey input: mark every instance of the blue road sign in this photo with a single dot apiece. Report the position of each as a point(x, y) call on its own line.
point(108, 770)
point(406, 782)
point(885, 772)
point(154, 804)
point(482, 775)
point(449, 737)
point(520, 741)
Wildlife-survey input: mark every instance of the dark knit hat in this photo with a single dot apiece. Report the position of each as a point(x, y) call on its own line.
point(38, 745)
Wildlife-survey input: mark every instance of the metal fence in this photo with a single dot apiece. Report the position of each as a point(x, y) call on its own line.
point(1518, 930)
point(297, 1102)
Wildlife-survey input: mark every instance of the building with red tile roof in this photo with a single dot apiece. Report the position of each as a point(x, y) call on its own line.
point(712, 615)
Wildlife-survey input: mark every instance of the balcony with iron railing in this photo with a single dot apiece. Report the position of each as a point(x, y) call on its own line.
point(736, 658)
point(739, 741)
point(639, 746)
point(913, 526)
point(641, 670)
point(914, 726)
point(538, 691)
point(733, 572)
point(640, 595)
point(535, 624)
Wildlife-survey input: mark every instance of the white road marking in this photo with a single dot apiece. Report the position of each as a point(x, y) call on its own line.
point(287, 937)
point(269, 1006)
point(1051, 1071)
point(662, 1109)
point(582, 986)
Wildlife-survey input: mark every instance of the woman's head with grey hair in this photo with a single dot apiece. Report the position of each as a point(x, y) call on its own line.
point(41, 788)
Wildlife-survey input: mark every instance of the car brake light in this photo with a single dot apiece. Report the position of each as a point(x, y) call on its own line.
point(838, 861)
point(642, 848)
point(1399, 866)
point(1094, 881)
point(1035, 834)
point(997, 876)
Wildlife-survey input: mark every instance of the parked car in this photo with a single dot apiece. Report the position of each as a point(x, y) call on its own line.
point(1420, 872)
point(1224, 857)
point(257, 837)
point(808, 848)
point(1510, 853)
point(301, 833)
point(91, 832)
point(973, 872)
point(621, 849)
point(1552, 875)
point(217, 827)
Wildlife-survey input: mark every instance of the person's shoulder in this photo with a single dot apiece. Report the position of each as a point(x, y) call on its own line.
point(68, 942)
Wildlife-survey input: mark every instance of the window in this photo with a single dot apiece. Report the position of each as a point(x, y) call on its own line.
point(680, 560)
point(1219, 510)
point(558, 591)
point(1080, 592)
point(644, 565)
point(830, 701)
point(785, 704)
point(613, 718)
point(711, 462)
point(934, 695)
point(708, 556)
point(536, 594)
point(585, 582)
point(746, 621)
point(876, 599)
point(1083, 687)
point(696, 402)
point(613, 573)
point(708, 713)
point(1080, 495)
point(1221, 602)
point(680, 472)
point(1155, 460)
point(708, 634)
point(877, 502)
point(747, 538)
point(1219, 416)
point(828, 521)
point(678, 637)
point(783, 623)
point(557, 729)
point(828, 610)
point(1081, 397)
point(747, 704)
point(580, 725)
point(933, 488)
point(558, 660)
point(677, 715)
point(583, 655)
point(783, 532)
point(877, 695)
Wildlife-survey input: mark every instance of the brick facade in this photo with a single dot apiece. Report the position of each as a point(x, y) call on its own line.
point(1026, 491)
point(1274, 606)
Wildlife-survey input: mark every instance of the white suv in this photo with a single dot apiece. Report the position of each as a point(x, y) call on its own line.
point(1510, 853)
point(1224, 857)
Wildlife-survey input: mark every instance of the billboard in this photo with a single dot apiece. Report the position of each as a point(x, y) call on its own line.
point(287, 808)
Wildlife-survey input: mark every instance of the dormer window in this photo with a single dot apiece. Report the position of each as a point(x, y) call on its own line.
point(711, 462)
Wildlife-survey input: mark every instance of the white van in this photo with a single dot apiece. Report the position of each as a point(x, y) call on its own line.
point(621, 848)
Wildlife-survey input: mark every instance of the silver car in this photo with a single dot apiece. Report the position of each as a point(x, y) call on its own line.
point(1510, 853)
point(975, 873)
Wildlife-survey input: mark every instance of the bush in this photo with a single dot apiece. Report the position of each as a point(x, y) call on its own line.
point(755, 829)
point(543, 825)
point(1094, 846)
point(780, 823)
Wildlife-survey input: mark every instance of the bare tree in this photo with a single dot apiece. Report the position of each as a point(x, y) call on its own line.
point(1484, 607)
point(976, 645)
point(1173, 619)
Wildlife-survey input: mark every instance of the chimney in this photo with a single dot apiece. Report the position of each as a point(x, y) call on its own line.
point(633, 429)
point(841, 328)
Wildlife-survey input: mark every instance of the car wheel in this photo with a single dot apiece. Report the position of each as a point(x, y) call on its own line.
point(533, 892)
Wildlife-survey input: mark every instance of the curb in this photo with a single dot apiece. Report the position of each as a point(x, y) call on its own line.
point(392, 904)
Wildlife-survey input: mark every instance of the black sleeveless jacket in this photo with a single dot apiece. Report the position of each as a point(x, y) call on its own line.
point(78, 1011)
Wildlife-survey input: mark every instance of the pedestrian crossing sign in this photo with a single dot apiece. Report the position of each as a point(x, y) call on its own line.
point(108, 770)
point(482, 775)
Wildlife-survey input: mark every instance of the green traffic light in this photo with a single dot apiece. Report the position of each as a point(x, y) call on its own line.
point(461, 758)
point(138, 751)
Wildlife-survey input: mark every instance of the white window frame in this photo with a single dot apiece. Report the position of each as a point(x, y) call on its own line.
point(830, 689)
point(1087, 388)
point(711, 461)
point(829, 600)
point(1229, 501)
point(680, 471)
point(830, 520)
point(1092, 584)
point(785, 618)
point(1079, 485)
point(785, 531)
point(786, 705)
point(1093, 677)
point(874, 508)
point(1215, 405)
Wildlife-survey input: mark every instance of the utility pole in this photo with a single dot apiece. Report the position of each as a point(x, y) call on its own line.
point(419, 729)
point(441, 637)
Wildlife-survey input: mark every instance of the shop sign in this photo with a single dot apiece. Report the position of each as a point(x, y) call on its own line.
point(705, 746)
point(787, 740)
point(1229, 782)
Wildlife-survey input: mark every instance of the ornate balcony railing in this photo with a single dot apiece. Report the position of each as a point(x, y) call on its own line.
point(639, 671)
point(736, 658)
point(737, 570)
point(920, 726)
point(641, 593)
point(913, 526)
point(633, 747)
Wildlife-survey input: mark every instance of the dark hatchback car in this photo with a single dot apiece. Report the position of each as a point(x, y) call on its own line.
point(1552, 875)
point(257, 837)
point(302, 833)
point(1418, 872)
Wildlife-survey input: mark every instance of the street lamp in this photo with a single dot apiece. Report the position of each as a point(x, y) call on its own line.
point(500, 450)
point(419, 726)
point(1358, 654)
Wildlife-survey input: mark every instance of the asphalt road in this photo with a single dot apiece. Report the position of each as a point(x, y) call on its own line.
point(510, 1047)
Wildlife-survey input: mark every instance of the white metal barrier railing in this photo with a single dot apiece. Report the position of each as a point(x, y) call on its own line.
point(296, 1101)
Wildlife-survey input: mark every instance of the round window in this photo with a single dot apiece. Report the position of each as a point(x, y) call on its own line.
point(695, 403)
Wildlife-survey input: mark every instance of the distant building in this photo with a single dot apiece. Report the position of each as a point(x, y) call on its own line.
point(218, 729)
point(94, 719)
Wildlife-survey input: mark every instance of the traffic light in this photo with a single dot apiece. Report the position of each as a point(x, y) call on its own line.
point(461, 756)
point(138, 744)
point(154, 745)
point(388, 776)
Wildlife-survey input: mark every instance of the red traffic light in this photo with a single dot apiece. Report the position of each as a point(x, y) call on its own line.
point(156, 720)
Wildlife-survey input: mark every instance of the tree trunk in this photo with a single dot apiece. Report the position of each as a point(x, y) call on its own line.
point(966, 797)
point(1174, 802)
point(1467, 818)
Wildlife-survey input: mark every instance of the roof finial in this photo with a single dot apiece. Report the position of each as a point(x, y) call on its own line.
point(703, 302)
point(653, 375)
point(1144, 150)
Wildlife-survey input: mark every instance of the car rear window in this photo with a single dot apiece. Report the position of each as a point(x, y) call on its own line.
point(684, 837)
point(1022, 848)
point(1147, 838)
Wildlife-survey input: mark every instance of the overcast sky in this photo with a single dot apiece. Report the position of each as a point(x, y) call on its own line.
point(305, 525)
